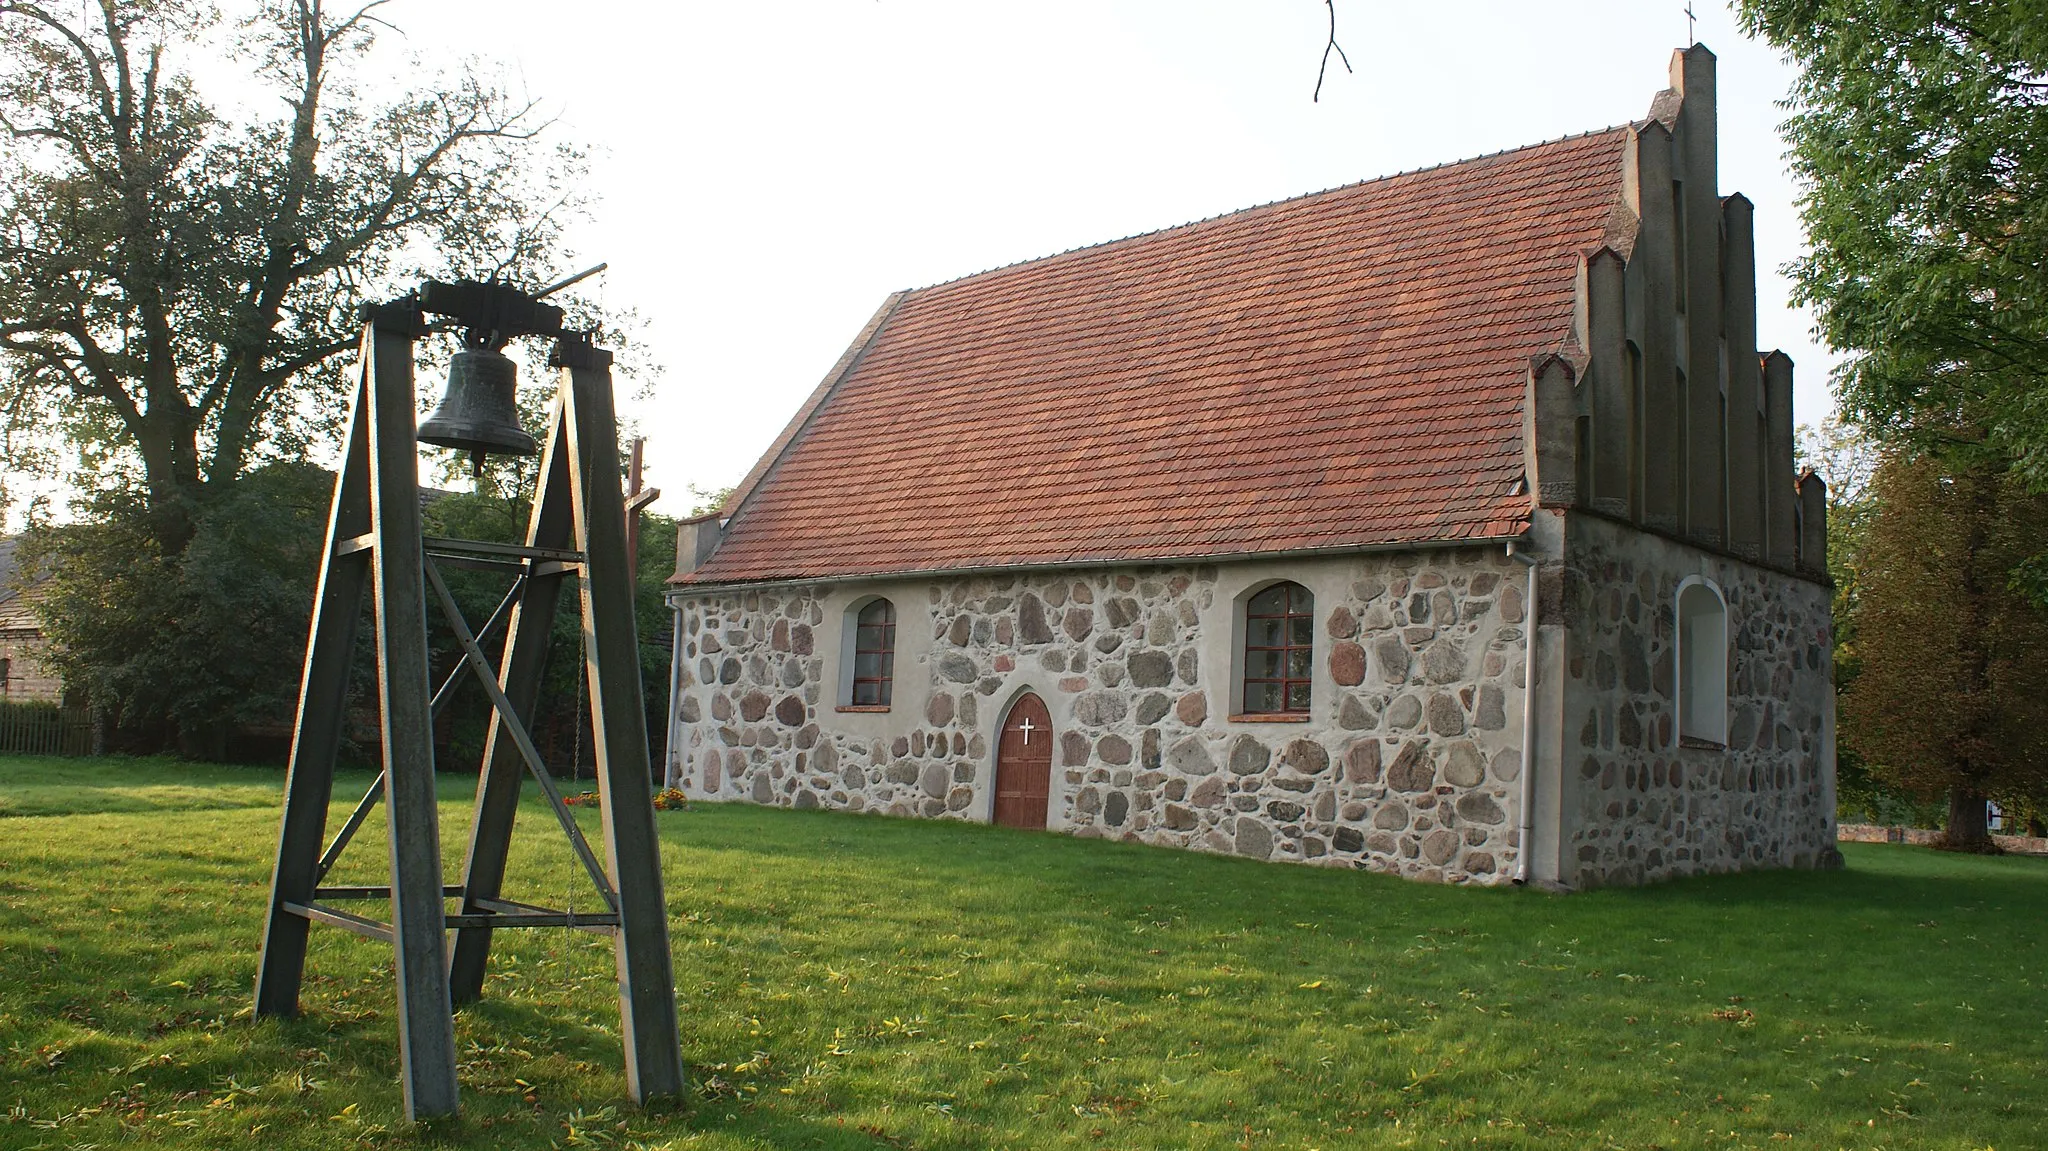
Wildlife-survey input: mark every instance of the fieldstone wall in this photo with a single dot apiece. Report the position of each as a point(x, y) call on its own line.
point(1406, 764)
point(1922, 836)
point(1640, 804)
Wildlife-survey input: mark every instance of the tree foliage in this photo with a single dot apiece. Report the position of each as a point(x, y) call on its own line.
point(186, 647)
point(1846, 457)
point(1920, 130)
point(183, 650)
point(1951, 655)
point(179, 284)
point(562, 712)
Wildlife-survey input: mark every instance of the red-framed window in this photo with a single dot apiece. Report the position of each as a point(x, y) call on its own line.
point(874, 654)
point(1279, 650)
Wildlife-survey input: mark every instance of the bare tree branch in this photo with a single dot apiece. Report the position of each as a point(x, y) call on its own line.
point(1329, 46)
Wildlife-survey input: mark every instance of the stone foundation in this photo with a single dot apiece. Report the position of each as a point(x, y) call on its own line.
point(1922, 836)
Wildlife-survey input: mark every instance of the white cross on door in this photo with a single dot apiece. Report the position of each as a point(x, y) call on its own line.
point(1027, 727)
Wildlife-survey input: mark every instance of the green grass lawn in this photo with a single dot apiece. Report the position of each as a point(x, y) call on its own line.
point(850, 981)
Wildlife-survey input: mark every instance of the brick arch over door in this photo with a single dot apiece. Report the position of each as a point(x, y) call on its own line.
point(1024, 764)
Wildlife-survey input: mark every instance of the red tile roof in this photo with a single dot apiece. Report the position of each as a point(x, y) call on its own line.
point(1341, 370)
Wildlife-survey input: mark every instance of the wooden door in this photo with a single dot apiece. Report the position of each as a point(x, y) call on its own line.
point(1024, 764)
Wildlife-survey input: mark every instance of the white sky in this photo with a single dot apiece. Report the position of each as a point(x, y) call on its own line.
point(769, 172)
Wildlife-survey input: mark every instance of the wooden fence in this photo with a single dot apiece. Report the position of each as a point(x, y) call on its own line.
point(45, 729)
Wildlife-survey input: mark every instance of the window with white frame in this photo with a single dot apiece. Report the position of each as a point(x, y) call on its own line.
point(1702, 661)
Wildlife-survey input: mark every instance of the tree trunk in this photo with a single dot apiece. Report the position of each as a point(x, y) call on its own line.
point(1968, 827)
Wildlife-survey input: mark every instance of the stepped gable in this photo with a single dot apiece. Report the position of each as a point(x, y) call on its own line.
point(1342, 370)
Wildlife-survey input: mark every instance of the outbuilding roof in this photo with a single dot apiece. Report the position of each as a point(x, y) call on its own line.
point(1342, 370)
point(17, 612)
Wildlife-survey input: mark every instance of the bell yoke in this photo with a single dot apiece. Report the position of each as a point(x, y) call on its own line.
point(479, 413)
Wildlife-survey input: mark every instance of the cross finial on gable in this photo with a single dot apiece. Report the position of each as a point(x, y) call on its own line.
point(1691, 21)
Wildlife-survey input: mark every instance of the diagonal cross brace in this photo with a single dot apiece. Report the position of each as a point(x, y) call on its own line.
point(473, 655)
point(368, 803)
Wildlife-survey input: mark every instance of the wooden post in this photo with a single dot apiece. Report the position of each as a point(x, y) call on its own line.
point(639, 443)
point(637, 499)
point(373, 536)
point(426, 1025)
point(323, 695)
point(647, 1005)
point(519, 672)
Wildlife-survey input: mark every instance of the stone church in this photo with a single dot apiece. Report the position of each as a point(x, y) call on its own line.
point(1444, 524)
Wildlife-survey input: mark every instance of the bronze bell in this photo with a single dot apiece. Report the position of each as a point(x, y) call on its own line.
point(479, 413)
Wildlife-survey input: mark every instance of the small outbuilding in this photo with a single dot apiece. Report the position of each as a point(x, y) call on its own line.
point(1444, 524)
point(25, 674)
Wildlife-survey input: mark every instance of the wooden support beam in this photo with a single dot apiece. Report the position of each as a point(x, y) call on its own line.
point(368, 803)
point(634, 459)
point(440, 545)
point(317, 726)
point(381, 891)
point(347, 921)
point(550, 528)
point(602, 922)
point(521, 738)
point(426, 1025)
point(647, 1002)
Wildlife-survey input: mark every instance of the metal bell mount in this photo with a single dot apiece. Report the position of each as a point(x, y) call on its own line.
point(479, 411)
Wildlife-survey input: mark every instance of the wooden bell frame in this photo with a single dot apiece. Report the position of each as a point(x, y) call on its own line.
point(374, 544)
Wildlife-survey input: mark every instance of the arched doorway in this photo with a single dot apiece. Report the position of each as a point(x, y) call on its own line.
point(1024, 764)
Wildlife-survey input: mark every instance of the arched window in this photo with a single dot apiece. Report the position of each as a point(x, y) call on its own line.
point(874, 653)
point(1702, 661)
point(1278, 659)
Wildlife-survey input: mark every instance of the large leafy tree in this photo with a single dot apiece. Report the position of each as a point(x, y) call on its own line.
point(1848, 458)
point(1920, 130)
point(182, 261)
point(178, 283)
point(1947, 699)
